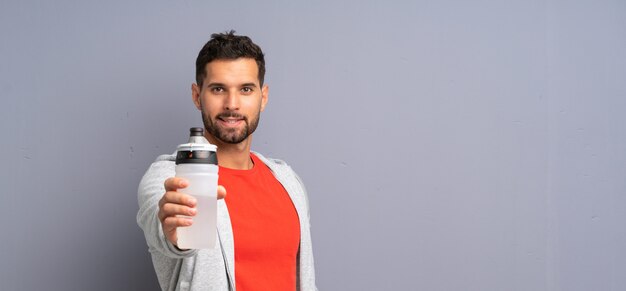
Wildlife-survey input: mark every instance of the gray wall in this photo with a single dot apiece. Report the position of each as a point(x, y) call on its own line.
point(446, 145)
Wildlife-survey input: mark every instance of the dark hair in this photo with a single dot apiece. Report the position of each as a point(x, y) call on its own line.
point(228, 46)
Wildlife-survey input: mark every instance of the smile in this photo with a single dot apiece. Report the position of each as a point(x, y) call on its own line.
point(230, 122)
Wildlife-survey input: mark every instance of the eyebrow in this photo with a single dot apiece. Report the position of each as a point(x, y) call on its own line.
point(224, 85)
point(248, 85)
point(215, 85)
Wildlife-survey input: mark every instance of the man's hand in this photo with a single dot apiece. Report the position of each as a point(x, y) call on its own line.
point(175, 203)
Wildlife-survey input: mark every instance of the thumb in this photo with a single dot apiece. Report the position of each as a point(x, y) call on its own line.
point(221, 192)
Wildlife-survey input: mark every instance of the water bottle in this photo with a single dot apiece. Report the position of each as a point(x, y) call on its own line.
point(196, 161)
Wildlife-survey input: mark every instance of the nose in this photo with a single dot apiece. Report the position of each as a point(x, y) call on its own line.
point(232, 101)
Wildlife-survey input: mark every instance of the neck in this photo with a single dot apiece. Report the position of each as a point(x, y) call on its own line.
point(233, 156)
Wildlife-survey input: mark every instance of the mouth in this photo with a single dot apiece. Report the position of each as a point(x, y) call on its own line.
point(230, 121)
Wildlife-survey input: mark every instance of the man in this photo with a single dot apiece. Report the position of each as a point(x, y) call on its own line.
point(264, 240)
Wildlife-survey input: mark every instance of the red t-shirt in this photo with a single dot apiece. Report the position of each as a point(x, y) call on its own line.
point(266, 228)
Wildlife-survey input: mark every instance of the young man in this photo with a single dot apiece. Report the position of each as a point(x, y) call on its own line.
point(263, 222)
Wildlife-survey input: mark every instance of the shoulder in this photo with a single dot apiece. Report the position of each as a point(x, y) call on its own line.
point(161, 169)
point(273, 163)
point(166, 158)
point(163, 163)
point(290, 180)
point(279, 167)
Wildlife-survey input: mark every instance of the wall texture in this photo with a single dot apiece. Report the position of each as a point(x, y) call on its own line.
point(446, 145)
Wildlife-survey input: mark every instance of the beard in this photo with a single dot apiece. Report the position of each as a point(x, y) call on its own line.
point(230, 135)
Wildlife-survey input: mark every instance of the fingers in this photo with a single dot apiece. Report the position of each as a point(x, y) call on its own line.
point(172, 222)
point(170, 219)
point(174, 203)
point(174, 183)
point(178, 198)
point(221, 192)
point(171, 209)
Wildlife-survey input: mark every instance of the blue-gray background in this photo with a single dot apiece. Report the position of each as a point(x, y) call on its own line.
point(446, 145)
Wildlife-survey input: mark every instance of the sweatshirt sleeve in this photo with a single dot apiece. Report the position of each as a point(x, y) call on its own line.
point(150, 191)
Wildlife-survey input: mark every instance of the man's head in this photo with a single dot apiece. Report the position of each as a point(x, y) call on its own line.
point(228, 46)
point(229, 90)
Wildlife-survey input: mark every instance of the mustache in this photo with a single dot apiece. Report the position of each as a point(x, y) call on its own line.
point(230, 114)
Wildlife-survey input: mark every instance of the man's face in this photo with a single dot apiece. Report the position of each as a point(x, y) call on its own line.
point(231, 99)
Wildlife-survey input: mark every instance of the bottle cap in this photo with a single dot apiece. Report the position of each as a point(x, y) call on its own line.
point(197, 151)
point(196, 131)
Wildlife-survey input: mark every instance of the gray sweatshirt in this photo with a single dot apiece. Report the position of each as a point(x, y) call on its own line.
point(213, 269)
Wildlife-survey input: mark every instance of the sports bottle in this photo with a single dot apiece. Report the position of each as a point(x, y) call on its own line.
point(196, 161)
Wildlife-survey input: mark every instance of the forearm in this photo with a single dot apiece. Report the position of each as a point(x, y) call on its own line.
point(150, 191)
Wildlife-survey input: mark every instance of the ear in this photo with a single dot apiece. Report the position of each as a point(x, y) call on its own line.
point(195, 95)
point(264, 94)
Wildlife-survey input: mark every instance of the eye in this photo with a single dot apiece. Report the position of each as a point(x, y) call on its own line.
point(246, 90)
point(217, 89)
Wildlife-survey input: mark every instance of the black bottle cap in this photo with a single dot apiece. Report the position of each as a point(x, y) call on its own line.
point(196, 131)
point(198, 150)
point(196, 157)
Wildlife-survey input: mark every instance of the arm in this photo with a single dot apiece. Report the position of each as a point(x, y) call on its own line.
point(305, 256)
point(150, 193)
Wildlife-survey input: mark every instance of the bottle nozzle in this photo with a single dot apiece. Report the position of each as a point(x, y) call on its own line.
point(196, 136)
point(197, 150)
point(196, 131)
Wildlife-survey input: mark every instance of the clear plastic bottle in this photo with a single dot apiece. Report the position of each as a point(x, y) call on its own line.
point(196, 161)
